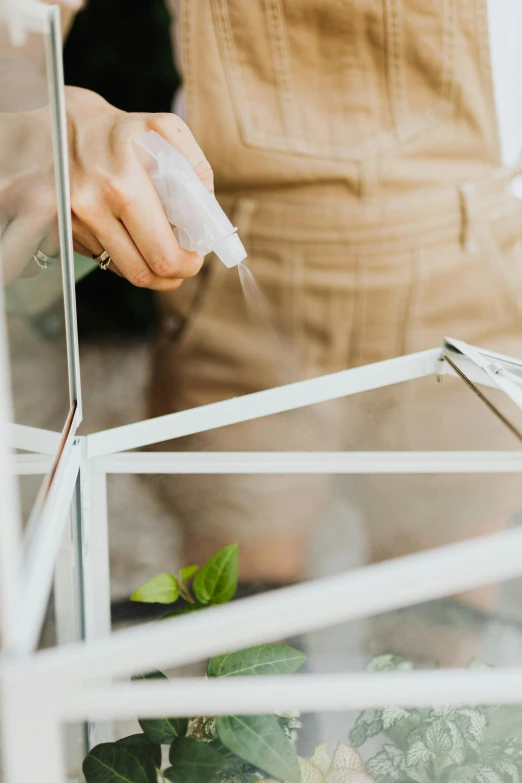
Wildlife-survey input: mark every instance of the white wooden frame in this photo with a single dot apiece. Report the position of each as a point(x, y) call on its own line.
point(43, 690)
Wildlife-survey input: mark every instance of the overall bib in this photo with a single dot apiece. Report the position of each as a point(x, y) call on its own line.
point(354, 144)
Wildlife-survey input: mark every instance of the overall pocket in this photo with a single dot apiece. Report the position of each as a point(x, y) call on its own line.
point(337, 79)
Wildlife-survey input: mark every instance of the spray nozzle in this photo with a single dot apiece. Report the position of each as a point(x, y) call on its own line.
point(197, 220)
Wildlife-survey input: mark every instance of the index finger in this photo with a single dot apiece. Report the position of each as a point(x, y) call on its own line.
point(140, 210)
point(177, 133)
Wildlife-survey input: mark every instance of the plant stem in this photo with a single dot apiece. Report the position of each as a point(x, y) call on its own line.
point(162, 776)
point(185, 594)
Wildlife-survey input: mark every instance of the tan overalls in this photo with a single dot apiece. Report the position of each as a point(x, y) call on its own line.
point(354, 144)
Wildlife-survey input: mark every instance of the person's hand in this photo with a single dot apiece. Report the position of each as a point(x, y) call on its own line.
point(28, 214)
point(115, 207)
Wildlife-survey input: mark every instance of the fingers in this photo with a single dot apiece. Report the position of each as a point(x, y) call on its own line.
point(81, 249)
point(115, 206)
point(126, 259)
point(139, 208)
point(84, 240)
point(50, 245)
point(128, 198)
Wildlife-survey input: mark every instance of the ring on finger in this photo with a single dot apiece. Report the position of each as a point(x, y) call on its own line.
point(103, 260)
point(43, 260)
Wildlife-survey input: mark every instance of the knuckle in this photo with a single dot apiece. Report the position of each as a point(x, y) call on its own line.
point(205, 173)
point(142, 278)
point(169, 121)
point(162, 267)
point(119, 191)
point(83, 200)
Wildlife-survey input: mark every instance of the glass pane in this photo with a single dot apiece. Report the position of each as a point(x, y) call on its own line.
point(30, 252)
point(30, 487)
point(297, 527)
point(431, 744)
point(456, 740)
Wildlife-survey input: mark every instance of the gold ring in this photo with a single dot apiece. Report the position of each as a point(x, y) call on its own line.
point(103, 260)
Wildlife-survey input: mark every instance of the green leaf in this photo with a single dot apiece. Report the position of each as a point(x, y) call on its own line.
point(463, 774)
point(487, 775)
point(345, 775)
point(393, 715)
point(397, 756)
point(417, 754)
point(264, 659)
point(477, 723)
point(438, 737)
point(136, 739)
point(505, 723)
point(161, 589)
point(381, 765)
point(346, 757)
point(322, 757)
point(368, 724)
point(187, 572)
point(162, 731)
point(457, 754)
point(309, 772)
point(508, 767)
point(193, 762)
point(216, 581)
point(259, 740)
point(387, 663)
point(115, 762)
point(226, 752)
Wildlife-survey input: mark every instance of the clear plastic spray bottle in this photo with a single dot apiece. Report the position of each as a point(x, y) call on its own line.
point(197, 220)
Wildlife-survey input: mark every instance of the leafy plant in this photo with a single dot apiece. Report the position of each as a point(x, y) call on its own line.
point(341, 765)
point(442, 745)
point(214, 583)
point(207, 749)
point(435, 745)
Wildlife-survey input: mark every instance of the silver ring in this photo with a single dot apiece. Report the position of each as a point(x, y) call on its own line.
point(103, 260)
point(43, 260)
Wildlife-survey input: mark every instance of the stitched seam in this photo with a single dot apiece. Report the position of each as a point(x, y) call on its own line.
point(361, 305)
point(395, 60)
point(280, 52)
point(243, 213)
point(385, 142)
point(412, 305)
point(234, 76)
point(396, 317)
point(188, 62)
point(449, 50)
point(295, 260)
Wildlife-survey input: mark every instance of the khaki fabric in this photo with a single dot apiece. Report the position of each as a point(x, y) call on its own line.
point(354, 145)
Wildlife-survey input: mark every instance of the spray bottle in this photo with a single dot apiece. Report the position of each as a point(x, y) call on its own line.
point(197, 220)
